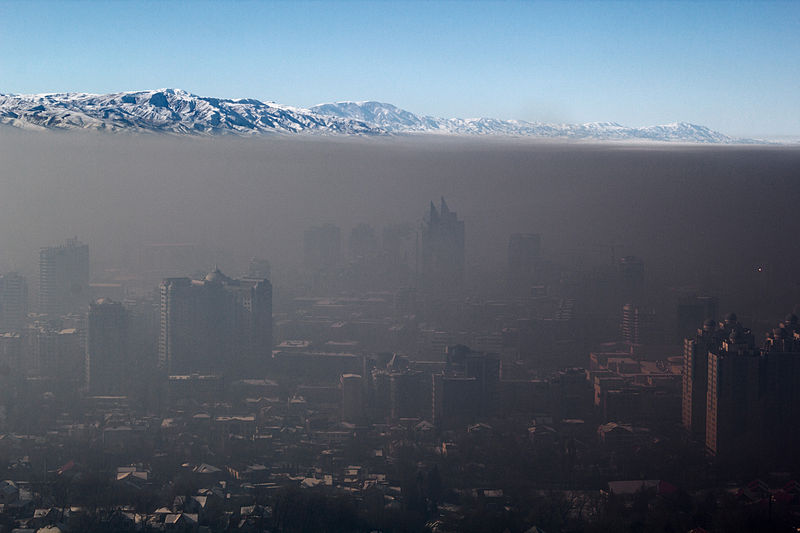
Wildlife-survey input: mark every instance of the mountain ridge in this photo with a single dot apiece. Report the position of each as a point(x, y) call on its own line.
point(176, 111)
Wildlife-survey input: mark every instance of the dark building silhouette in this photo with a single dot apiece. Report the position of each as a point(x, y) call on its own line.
point(442, 251)
point(781, 373)
point(216, 325)
point(64, 278)
point(108, 360)
point(733, 407)
point(468, 389)
point(13, 302)
point(400, 391)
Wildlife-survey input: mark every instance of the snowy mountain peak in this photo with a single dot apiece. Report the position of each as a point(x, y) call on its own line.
point(171, 110)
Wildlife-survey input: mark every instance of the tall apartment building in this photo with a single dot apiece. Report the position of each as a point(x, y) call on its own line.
point(781, 373)
point(695, 376)
point(13, 302)
point(216, 325)
point(108, 362)
point(64, 278)
point(739, 397)
point(733, 398)
point(640, 325)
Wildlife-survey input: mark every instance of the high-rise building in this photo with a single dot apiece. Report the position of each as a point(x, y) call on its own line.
point(13, 302)
point(108, 362)
point(216, 325)
point(741, 399)
point(639, 325)
point(695, 376)
point(64, 278)
point(733, 408)
point(782, 377)
point(442, 251)
point(352, 398)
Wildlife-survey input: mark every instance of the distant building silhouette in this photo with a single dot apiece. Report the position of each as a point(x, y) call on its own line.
point(639, 325)
point(64, 278)
point(442, 251)
point(216, 325)
point(468, 389)
point(13, 302)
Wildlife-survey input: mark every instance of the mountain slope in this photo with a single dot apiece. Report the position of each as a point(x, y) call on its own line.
point(179, 112)
point(166, 110)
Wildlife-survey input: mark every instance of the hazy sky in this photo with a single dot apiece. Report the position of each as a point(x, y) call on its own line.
point(732, 66)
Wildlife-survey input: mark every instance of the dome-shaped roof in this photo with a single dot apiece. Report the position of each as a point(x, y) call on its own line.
point(731, 318)
point(215, 276)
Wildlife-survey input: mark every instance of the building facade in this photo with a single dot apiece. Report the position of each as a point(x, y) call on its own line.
point(64, 278)
point(13, 302)
point(216, 325)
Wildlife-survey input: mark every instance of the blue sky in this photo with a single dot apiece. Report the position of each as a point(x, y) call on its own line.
point(733, 66)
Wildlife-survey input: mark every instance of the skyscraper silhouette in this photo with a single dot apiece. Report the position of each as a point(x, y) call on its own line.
point(442, 251)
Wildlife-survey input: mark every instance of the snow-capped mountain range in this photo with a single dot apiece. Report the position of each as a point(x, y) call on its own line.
point(179, 112)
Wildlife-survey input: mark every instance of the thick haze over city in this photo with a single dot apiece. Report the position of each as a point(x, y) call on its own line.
point(441, 267)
